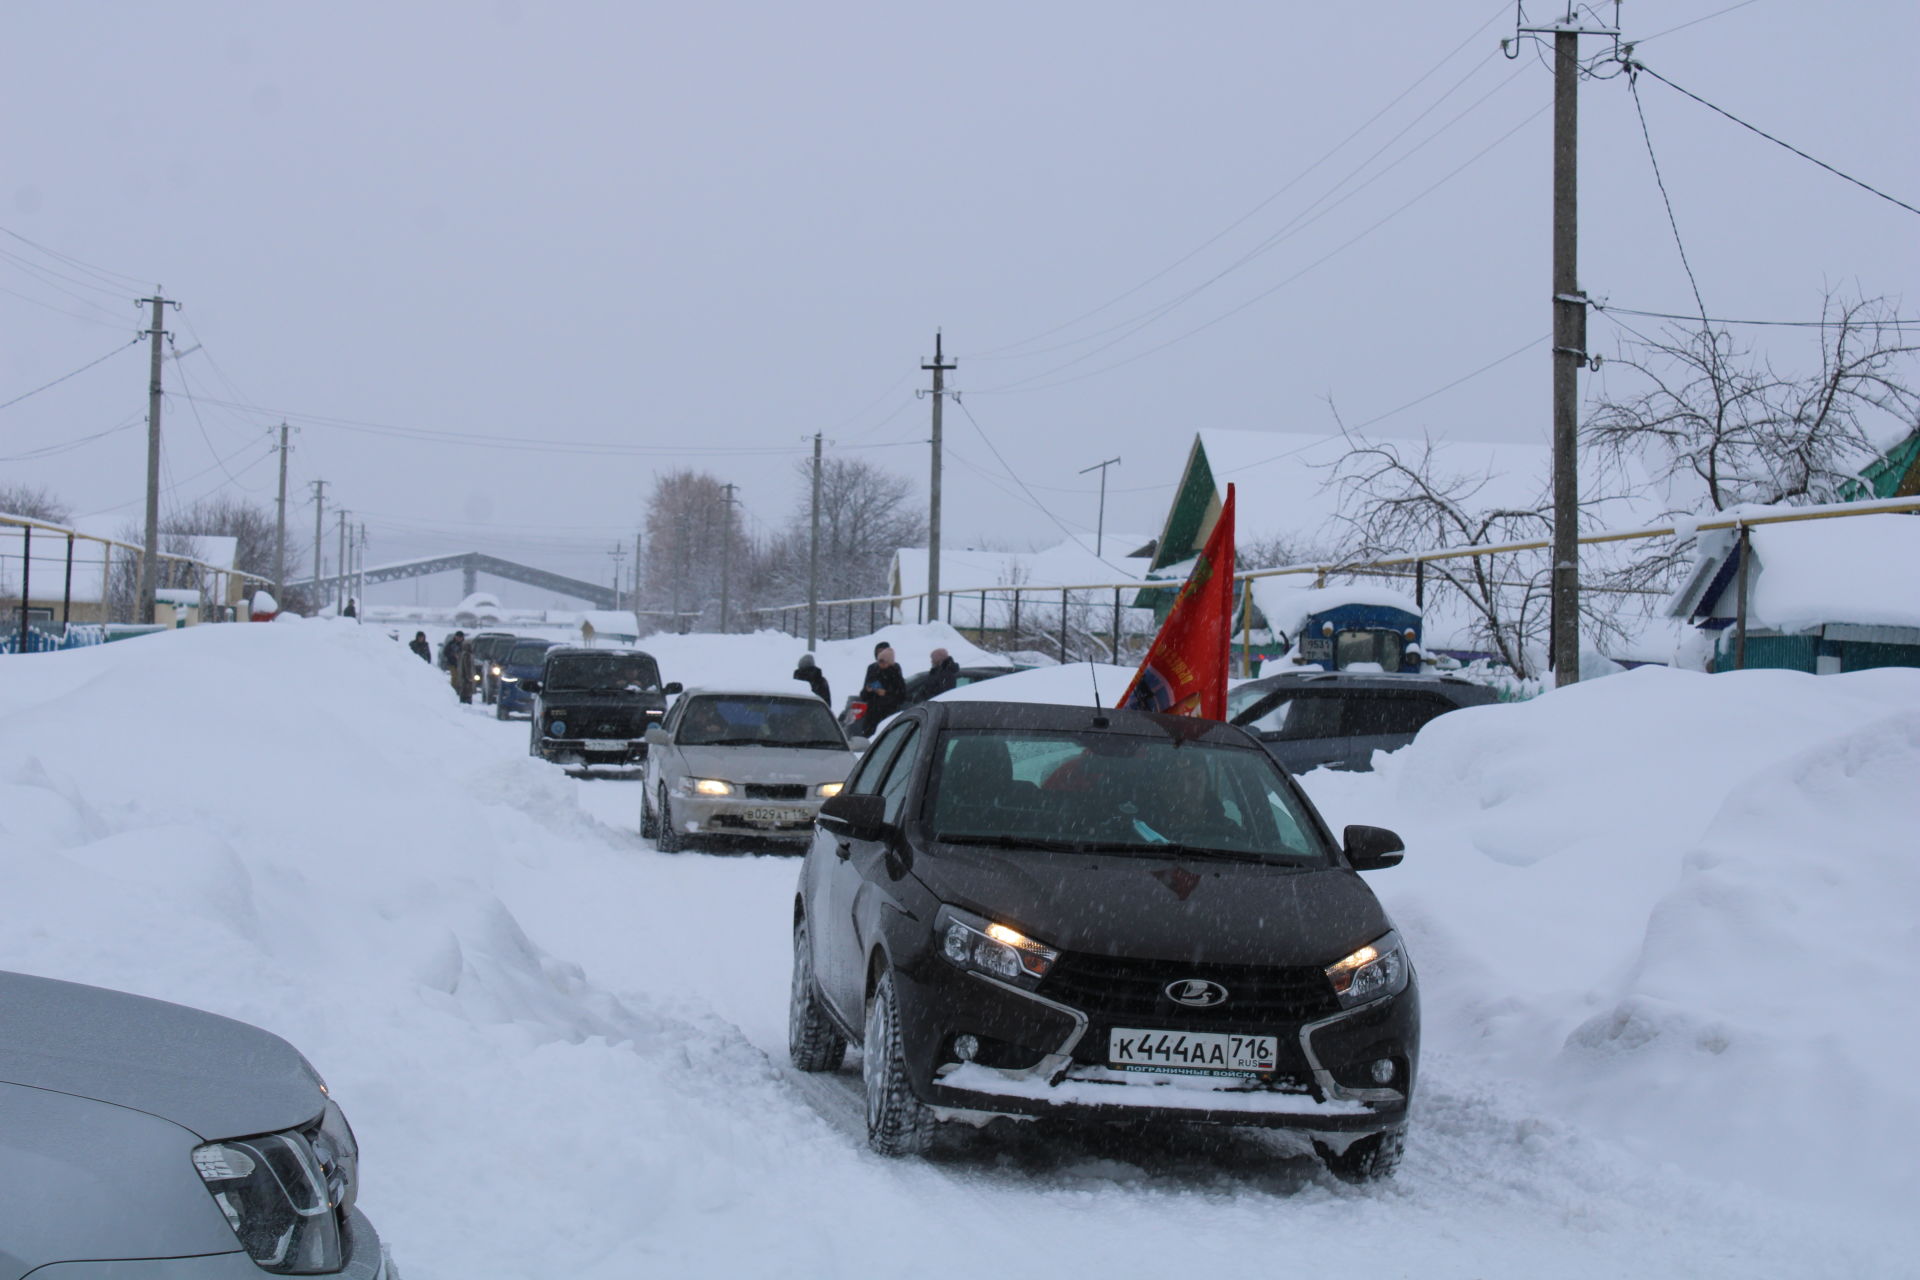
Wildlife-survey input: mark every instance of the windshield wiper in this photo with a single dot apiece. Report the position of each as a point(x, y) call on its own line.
point(1222, 855)
point(1002, 841)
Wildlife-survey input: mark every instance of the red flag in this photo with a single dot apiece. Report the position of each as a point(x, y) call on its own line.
point(1185, 672)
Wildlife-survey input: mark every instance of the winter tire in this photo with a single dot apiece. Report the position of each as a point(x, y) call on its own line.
point(649, 825)
point(814, 1043)
point(898, 1123)
point(669, 839)
point(1371, 1159)
point(499, 710)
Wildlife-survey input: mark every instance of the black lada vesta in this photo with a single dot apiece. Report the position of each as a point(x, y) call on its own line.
point(1027, 910)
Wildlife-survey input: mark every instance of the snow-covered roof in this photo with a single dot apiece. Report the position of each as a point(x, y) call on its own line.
point(1807, 574)
point(1066, 565)
point(1286, 604)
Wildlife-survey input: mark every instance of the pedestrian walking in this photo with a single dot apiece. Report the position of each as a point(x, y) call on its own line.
point(943, 675)
point(460, 667)
point(816, 679)
point(420, 646)
point(884, 689)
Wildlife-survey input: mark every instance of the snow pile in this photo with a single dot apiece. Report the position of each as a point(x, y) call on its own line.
point(1681, 908)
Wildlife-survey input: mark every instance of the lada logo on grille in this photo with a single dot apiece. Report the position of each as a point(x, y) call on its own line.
point(1196, 993)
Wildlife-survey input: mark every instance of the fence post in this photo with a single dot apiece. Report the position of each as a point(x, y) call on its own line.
point(920, 608)
point(1740, 605)
point(1016, 616)
point(66, 598)
point(26, 582)
point(1063, 624)
point(981, 631)
point(1246, 628)
point(1116, 626)
point(1420, 585)
point(873, 615)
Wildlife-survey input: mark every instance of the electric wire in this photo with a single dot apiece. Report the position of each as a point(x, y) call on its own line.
point(1031, 496)
point(1896, 322)
point(61, 311)
point(1276, 287)
point(994, 352)
point(1633, 86)
point(1641, 66)
point(76, 373)
point(67, 446)
point(120, 278)
point(1306, 217)
point(1719, 13)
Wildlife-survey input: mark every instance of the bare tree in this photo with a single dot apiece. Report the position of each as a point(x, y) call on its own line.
point(35, 501)
point(866, 514)
point(250, 525)
point(1394, 503)
point(689, 521)
point(1715, 426)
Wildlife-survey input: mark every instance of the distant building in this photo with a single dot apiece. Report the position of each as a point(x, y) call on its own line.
point(1823, 596)
point(1894, 474)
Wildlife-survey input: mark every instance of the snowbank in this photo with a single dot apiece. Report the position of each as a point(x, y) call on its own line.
point(1680, 907)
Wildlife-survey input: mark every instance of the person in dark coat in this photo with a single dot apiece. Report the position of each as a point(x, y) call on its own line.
point(884, 689)
point(816, 679)
point(460, 665)
point(420, 646)
point(944, 675)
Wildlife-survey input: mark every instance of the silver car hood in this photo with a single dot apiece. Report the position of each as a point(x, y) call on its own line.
point(215, 1076)
point(768, 764)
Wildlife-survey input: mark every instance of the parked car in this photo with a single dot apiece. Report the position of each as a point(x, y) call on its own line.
point(488, 648)
point(855, 706)
point(524, 661)
point(1337, 719)
point(595, 705)
point(742, 763)
point(1025, 909)
point(141, 1138)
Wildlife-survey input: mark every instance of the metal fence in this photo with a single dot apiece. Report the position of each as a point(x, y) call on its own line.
point(1059, 613)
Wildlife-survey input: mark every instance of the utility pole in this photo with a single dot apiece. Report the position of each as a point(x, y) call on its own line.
point(634, 602)
point(938, 367)
point(1100, 528)
point(280, 523)
point(150, 557)
point(1569, 340)
point(319, 508)
point(340, 578)
point(726, 552)
point(813, 552)
point(360, 571)
point(618, 554)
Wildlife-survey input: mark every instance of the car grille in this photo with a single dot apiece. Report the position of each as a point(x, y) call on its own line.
point(776, 791)
point(1108, 987)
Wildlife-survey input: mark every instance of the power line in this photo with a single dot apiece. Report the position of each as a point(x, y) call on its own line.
point(119, 279)
point(133, 419)
point(60, 311)
point(1633, 86)
point(1720, 13)
point(1276, 287)
point(76, 373)
point(994, 352)
point(1896, 322)
point(1641, 66)
point(1031, 497)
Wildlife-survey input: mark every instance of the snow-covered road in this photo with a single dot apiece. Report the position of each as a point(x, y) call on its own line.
point(565, 1052)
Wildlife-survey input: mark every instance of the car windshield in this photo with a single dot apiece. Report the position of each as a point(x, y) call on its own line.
point(601, 673)
point(739, 720)
point(528, 654)
point(1384, 649)
point(1120, 793)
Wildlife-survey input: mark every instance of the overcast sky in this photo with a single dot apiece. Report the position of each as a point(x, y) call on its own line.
point(693, 235)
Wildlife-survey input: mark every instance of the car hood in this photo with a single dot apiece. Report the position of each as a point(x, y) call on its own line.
point(768, 764)
point(1156, 909)
point(215, 1076)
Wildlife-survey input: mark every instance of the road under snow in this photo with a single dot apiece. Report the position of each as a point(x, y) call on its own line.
point(1663, 923)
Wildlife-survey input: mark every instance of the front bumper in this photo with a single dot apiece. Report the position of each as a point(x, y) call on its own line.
point(1042, 1057)
point(634, 751)
point(368, 1261)
point(743, 816)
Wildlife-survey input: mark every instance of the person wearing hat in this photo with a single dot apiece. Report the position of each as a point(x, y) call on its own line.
point(884, 689)
point(816, 679)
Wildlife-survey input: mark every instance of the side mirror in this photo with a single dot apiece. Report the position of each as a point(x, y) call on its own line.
point(863, 817)
point(673, 687)
point(857, 744)
point(1372, 848)
point(656, 736)
point(531, 686)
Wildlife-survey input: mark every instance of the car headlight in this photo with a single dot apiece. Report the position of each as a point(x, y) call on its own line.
point(507, 679)
point(1378, 969)
point(705, 787)
point(973, 942)
point(287, 1195)
point(827, 790)
point(496, 671)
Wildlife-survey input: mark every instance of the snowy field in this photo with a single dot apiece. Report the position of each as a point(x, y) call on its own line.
point(1665, 925)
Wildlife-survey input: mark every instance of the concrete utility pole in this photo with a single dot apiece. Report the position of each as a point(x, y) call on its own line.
point(280, 523)
point(726, 552)
point(618, 554)
point(1569, 341)
point(360, 570)
point(150, 557)
point(937, 367)
point(340, 577)
point(319, 509)
point(813, 552)
point(1100, 527)
point(635, 601)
